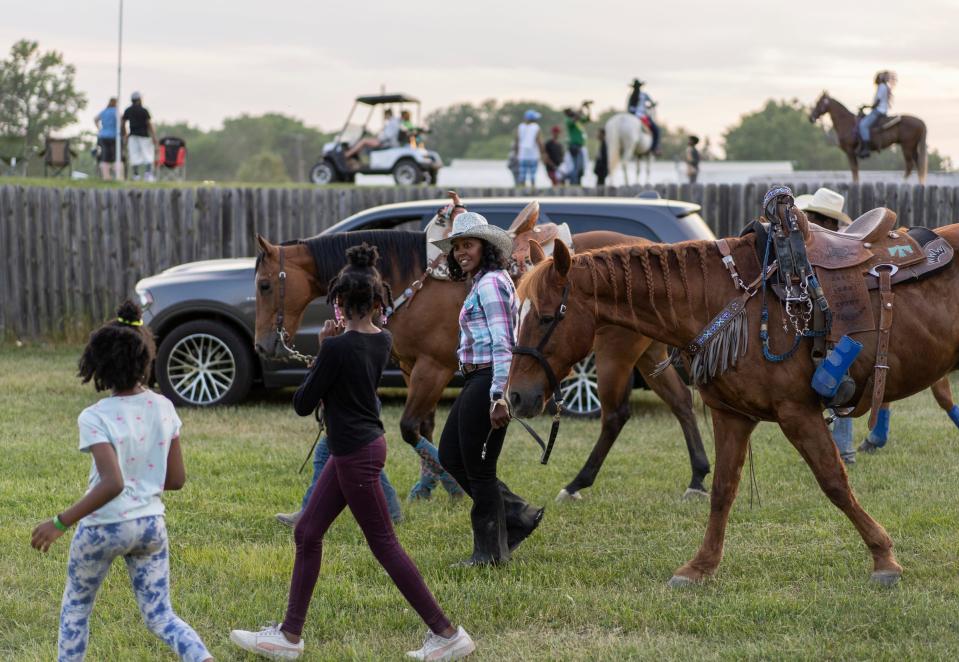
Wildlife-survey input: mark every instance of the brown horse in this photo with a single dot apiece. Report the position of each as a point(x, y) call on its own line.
point(908, 132)
point(670, 292)
point(426, 332)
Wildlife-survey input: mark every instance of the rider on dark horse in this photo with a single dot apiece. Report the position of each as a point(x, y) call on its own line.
point(880, 108)
point(639, 105)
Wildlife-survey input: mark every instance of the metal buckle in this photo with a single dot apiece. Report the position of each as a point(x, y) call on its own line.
point(893, 269)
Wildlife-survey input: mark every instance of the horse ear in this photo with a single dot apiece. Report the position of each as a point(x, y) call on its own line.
point(561, 258)
point(536, 254)
point(267, 247)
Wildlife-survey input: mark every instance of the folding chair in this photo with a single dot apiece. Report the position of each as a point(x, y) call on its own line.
point(57, 157)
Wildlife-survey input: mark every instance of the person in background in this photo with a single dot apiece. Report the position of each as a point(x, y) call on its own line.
point(576, 138)
point(880, 108)
point(142, 141)
point(639, 104)
point(106, 122)
point(512, 162)
point(407, 129)
point(824, 208)
point(692, 159)
point(529, 144)
point(389, 136)
point(554, 155)
point(601, 167)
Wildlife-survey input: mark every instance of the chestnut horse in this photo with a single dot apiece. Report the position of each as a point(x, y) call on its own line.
point(909, 132)
point(670, 293)
point(426, 333)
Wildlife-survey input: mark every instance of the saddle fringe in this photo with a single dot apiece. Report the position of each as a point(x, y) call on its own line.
point(722, 350)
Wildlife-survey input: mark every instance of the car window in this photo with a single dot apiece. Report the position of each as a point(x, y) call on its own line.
point(590, 222)
point(405, 222)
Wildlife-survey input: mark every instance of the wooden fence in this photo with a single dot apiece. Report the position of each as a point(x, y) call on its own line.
point(67, 256)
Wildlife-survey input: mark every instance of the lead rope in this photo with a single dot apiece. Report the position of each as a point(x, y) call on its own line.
point(753, 485)
point(321, 425)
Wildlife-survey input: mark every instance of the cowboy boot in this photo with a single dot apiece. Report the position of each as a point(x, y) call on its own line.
point(488, 519)
point(521, 517)
point(430, 471)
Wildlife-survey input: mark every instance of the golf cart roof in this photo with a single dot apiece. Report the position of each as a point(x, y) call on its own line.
point(377, 99)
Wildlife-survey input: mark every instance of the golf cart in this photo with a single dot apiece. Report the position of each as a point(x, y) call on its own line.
point(404, 158)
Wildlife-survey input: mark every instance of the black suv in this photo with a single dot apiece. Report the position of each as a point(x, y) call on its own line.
point(203, 313)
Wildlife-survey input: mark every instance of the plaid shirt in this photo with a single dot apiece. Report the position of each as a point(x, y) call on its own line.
point(487, 320)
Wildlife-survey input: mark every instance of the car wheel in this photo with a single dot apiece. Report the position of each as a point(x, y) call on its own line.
point(323, 173)
point(204, 363)
point(581, 390)
point(407, 173)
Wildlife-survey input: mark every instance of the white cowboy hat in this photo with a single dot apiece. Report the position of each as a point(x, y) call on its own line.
point(471, 224)
point(826, 202)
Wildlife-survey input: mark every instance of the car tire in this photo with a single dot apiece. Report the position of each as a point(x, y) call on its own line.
point(204, 363)
point(581, 390)
point(323, 173)
point(407, 173)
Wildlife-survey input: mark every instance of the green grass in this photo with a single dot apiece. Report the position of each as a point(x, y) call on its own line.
point(590, 585)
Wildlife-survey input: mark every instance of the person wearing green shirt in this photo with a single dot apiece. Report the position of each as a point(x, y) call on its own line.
point(576, 138)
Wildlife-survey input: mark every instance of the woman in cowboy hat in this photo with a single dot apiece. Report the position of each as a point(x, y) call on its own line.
point(474, 431)
point(824, 208)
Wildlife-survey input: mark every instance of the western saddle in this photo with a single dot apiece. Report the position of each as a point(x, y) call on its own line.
point(870, 254)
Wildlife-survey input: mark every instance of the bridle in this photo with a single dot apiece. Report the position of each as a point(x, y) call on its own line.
point(278, 326)
point(537, 353)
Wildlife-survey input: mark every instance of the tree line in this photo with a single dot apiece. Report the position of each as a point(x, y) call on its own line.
point(38, 97)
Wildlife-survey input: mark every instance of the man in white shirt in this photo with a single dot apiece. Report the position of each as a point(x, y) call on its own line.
point(388, 137)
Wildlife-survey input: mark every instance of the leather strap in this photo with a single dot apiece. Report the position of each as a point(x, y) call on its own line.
point(882, 346)
point(414, 287)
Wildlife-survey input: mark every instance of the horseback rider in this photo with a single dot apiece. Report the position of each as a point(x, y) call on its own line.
point(880, 108)
point(639, 104)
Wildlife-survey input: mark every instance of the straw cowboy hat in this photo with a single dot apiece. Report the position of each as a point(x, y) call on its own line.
point(826, 202)
point(471, 224)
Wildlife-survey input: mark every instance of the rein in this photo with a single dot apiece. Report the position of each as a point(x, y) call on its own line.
point(537, 353)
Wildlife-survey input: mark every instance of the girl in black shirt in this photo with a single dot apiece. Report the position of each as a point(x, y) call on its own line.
point(344, 378)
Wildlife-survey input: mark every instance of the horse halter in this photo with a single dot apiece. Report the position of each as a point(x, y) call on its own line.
point(281, 331)
point(537, 353)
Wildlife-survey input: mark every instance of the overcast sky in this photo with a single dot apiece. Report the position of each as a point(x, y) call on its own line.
point(706, 63)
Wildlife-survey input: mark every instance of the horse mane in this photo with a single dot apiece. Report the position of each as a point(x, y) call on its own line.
point(402, 252)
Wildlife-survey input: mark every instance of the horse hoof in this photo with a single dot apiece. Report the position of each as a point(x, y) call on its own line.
point(885, 577)
point(564, 496)
point(679, 581)
point(693, 494)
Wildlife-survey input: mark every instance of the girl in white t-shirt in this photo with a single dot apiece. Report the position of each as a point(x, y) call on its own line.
point(134, 438)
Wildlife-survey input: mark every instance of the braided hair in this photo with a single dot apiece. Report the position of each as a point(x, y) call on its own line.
point(359, 287)
point(119, 355)
point(492, 260)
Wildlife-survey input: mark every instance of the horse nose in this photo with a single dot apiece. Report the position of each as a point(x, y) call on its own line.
point(515, 399)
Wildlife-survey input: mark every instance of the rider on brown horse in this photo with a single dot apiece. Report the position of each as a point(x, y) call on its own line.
point(880, 108)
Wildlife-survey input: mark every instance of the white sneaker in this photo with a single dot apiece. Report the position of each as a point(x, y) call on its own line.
point(268, 642)
point(437, 648)
point(289, 519)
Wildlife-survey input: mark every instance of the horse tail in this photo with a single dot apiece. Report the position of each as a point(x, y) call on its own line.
point(613, 145)
point(922, 156)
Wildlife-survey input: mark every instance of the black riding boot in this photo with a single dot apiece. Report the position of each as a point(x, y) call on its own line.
point(521, 517)
point(488, 517)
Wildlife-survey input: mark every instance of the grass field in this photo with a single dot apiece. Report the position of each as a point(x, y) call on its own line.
point(590, 585)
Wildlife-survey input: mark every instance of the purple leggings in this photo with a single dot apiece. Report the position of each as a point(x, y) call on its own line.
point(354, 480)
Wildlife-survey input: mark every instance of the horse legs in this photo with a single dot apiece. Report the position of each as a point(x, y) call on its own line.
point(616, 352)
point(807, 432)
point(942, 392)
point(426, 382)
point(670, 387)
point(731, 432)
point(853, 166)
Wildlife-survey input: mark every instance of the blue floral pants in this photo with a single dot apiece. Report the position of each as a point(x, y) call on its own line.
point(143, 545)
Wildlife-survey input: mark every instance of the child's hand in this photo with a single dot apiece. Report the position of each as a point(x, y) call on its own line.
point(44, 535)
point(329, 329)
